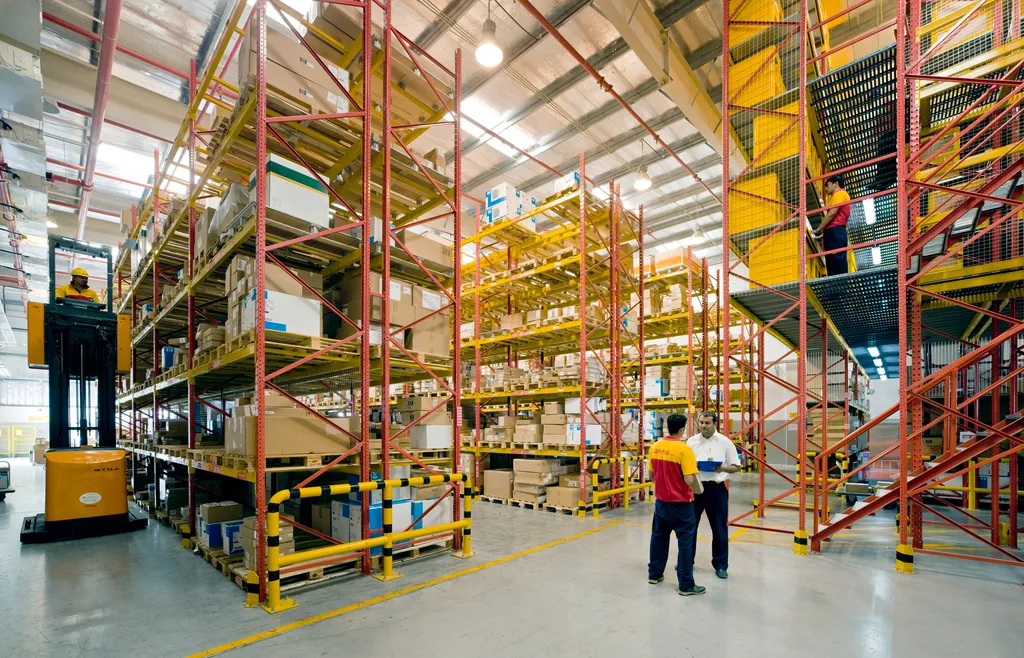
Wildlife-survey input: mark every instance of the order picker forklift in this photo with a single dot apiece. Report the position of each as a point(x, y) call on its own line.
point(83, 344)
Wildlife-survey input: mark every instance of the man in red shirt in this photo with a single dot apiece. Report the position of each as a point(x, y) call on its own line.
point(832, 230)
point(674, 469)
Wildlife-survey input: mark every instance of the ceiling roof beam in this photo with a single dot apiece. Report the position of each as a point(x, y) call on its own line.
point(669, 15)
point(560, 15)
point(640, 27)
point(451, 14)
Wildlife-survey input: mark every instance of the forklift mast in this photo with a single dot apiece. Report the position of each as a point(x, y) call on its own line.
point(84, 345)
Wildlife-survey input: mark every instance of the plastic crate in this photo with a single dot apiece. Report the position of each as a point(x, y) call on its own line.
point(747, 213)
point(768, 128)
point(753, 10)
point(778, 259)
point(767, 68)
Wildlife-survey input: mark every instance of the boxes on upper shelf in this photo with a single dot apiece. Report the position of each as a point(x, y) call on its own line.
point(283, 312)
point(504, 200)
point(293, 191)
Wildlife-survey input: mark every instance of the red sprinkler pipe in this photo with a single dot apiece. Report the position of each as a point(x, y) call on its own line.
point(607, 86)
point(108, 46)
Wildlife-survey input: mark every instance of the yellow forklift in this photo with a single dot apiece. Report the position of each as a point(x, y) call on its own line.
point(83, 344)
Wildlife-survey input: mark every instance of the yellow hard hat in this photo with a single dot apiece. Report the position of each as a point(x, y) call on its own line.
point(79, 271)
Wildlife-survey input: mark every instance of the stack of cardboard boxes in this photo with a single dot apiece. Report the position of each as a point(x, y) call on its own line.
point(208, 337)
point(434, 432)
point(217, 522)
point(290, 306)
point(679, 382)
point(656, 381)
point(408, 304)
point(504, 201)
point(288, 430)
point(247, 540)
point(532, 477)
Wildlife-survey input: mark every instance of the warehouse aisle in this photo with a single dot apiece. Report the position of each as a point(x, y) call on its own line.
point(138, 594)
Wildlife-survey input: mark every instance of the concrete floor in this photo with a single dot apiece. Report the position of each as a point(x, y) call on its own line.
point(140, 594)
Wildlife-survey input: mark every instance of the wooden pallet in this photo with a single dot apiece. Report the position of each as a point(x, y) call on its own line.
point(527, 446)
point(525, 505)
point(571, 511)
point(494, 499)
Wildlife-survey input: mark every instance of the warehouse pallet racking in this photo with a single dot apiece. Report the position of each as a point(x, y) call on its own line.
point(946, 209)
point(768, 252)
point(586, 262)
point(361, 159)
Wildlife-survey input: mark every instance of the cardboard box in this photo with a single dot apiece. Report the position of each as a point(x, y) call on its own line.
point(294, 192)
point(288, 313)
point(426, 437)
point(347, 520)
point(431, 336)
point(231, 537)
point(528, 434)
point(418, 403)
point(563, 496)
point(430, 492)
point(218, 512)
point(439, 417)
point(555, 434)
point(554, 419)
point(535, 479)
point(285, 51)
point(347, 298)
point(528, 497)
point(572, 405)
point(554, 407)
point(287, 432)
point(428, 247)
point(498, 483)
point(527, 488)
point(536, 466)
point(321, 518)
point(511, 322)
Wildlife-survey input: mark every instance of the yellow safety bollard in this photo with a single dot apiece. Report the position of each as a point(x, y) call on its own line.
point(800, 542)
point(252, 589)
point(274, 602)
point(387, 557)
point(904, 558)
point(467, 516)
point(594, 489)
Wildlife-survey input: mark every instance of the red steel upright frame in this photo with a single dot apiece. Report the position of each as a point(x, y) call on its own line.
point(732, 262)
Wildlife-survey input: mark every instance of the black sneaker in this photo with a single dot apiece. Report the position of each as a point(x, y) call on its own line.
point(722, 573)
point(655, 581)
point(696, 590)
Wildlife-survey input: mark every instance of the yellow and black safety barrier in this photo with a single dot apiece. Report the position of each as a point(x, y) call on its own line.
point(595, 491)
point(904, 558)
point(800, 546)
point(252, 589)
point(386, 540)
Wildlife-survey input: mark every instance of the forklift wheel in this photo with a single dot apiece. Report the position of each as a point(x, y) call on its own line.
point(3, 497)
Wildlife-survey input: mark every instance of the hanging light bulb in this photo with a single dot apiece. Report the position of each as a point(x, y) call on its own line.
point(643, 181)
point(488, 53)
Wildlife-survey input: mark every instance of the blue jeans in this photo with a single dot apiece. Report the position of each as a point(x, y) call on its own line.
point(836, 238)
point(714, 502)
point(669, 518)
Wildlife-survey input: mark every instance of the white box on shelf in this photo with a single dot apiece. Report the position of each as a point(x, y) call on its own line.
point(288, 313)
point(565, 182)
point(430, 437)
point(294, 191)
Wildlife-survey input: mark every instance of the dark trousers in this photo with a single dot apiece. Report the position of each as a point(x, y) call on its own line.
point(714, 502)
point(836, 238)
point(669, 518)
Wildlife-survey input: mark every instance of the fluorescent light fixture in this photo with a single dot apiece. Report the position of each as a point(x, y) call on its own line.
point(881, 371)
point(878, 363)
point(876, 255)
point(869, 211)
point(873, 351)
point(883, 378)
point(51, 224)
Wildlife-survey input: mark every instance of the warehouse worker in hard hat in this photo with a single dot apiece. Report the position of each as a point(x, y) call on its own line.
point(78, 288)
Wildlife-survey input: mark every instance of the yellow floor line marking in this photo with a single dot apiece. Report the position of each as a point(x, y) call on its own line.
point(274, 632)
